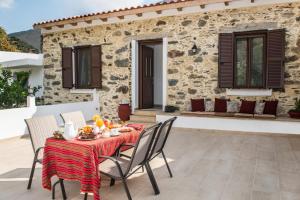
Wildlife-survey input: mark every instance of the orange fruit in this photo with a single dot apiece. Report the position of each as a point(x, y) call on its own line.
point(99, 123)
point(95, 117)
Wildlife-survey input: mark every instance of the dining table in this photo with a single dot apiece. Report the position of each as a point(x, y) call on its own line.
point(77, 160)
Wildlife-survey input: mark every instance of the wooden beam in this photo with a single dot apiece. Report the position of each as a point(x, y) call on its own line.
point(156, 8)
point(226, 3)
point(88, 21)
point(121, 17)
point(61, 26)
point(252, 1)
point(74, 24)
point(179, 9)
point(103, 19)
point(202, 6)
point(158, 12)
point(139, 14)
point(48, 28)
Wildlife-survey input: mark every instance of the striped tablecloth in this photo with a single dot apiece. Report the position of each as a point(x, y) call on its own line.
point(78, 160)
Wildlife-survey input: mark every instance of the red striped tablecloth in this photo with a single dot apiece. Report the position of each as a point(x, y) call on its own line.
point(78, 160)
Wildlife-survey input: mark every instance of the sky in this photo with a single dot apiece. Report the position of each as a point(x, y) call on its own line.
point(20, 15)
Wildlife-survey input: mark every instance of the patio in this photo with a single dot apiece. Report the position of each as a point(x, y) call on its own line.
point(206, 165)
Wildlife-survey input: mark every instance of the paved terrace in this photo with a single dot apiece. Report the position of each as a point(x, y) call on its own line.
point(207, 165)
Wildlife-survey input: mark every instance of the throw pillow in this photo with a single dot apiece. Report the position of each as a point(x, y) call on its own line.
point(209, 106)
point(233, 106)
point(197, 105)
point(271, 107)
point(247, 107)
point(220, 105)
point(259, 108)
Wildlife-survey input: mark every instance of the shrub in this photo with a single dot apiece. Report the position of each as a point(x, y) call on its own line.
point(14, 89)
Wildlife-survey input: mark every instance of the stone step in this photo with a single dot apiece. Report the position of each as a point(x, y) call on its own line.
point(147, 112)
point(143, 118)
point(144, 123)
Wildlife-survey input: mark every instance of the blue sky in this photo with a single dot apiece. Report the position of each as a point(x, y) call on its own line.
point(19, 15)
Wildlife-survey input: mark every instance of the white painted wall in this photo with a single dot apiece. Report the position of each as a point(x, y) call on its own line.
point(234, 124)
point(158, 75)
point(12, 120)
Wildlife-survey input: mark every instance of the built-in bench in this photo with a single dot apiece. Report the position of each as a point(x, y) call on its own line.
point(211, 121)
point(226, 114)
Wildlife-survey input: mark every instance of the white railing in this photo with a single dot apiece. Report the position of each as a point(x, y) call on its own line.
point(12, 122)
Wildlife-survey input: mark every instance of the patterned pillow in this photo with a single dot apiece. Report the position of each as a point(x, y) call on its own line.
point(209, 106)
point(259, 108)
point(233, 106)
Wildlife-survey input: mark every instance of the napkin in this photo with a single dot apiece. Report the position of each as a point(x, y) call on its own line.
point(137, 127)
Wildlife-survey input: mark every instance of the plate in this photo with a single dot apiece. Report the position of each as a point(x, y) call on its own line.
point(125, 130)
point(86, 139)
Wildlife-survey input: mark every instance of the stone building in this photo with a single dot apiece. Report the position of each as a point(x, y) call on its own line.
point(167, 53)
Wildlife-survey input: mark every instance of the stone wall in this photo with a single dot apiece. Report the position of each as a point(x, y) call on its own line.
point(189, 75)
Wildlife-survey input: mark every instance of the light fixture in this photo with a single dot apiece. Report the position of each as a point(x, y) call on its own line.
point(194, 48)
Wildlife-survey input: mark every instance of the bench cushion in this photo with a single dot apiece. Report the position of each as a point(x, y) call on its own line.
point(264, 116)
point(198, 113)
point(243, 115)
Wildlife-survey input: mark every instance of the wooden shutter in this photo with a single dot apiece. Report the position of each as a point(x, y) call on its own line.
point(96, 67)
point(275, 59)
point(67, 68)
point(225, 72)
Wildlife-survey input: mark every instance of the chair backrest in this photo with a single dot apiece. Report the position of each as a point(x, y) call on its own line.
point(76, 117)
point(41, 128)
point(162, 135)
point(143, 146)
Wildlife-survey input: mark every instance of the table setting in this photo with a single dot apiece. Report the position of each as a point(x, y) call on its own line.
point(73, 153)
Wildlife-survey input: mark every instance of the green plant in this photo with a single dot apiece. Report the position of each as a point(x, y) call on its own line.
point(297, 105)
point(14, 89)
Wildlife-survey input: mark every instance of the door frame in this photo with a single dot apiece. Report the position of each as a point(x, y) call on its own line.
point(140, 63)
point(135, 70)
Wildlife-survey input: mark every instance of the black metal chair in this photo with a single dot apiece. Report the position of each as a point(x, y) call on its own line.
point(160, 142)
point(118, 168)
point(41, 128)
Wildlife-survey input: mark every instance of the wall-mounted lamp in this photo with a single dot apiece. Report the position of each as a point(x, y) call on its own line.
point(194, 48)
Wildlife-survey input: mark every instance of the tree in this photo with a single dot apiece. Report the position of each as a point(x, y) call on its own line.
point(4, 42)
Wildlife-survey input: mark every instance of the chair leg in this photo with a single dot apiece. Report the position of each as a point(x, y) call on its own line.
point(53, 189)
point(126, 188)
point(61, 181)
point(169, 169)
point(152, 179)
point(32, 170)
point(85, 196)
point(112, 182)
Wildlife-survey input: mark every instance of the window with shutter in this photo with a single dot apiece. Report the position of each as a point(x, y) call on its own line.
point(225, 60)
point(67, 68)
point(96, 70)
point(275, 58)
point(252, 59)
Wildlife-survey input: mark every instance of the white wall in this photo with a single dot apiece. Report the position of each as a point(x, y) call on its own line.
point(12, 120)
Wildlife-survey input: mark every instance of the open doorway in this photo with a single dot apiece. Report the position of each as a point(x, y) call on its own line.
point(150, 74)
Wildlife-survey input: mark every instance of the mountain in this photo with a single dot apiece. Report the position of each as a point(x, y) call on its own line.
point(27, 41)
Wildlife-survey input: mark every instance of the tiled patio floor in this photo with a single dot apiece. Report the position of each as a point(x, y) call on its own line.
point(206, 164)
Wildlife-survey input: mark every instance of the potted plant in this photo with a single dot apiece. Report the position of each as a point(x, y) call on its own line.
point(170, 109)
point(295, 113)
